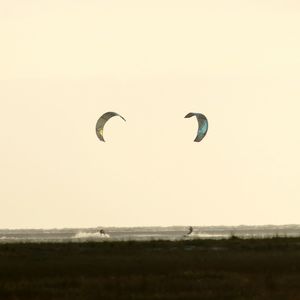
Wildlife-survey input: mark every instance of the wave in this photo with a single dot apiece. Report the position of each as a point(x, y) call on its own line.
point(9, 238)
point(86, 235)
point(206, 235)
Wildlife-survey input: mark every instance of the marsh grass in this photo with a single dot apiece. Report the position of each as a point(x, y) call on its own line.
point(193, 269)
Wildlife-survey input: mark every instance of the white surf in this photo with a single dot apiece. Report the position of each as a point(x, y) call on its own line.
point(88, 235)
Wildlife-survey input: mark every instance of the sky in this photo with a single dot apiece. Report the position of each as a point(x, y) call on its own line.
point(63, 63)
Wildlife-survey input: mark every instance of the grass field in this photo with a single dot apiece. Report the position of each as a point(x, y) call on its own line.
point(194, 269)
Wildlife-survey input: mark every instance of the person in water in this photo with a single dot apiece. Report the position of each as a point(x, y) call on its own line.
point(102, 232)
point(190, 230)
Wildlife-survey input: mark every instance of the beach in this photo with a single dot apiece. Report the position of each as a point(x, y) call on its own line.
point(231, 268)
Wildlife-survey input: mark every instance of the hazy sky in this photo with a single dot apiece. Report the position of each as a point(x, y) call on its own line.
point(65, 62)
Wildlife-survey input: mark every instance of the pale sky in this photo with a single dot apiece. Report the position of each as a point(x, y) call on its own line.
point(64, 63)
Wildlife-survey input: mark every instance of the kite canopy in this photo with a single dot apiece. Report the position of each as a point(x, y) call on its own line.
point(202, 125)
point(102, 121)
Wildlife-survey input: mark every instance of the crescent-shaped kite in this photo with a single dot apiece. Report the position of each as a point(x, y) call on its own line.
point(202, 125)
point(102, 121)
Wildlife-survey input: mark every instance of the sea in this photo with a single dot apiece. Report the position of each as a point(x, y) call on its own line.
point(145, 233)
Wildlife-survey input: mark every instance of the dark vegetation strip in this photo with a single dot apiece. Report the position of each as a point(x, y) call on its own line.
point(191, 269)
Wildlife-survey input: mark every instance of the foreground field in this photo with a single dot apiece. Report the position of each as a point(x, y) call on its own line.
point(196, 269)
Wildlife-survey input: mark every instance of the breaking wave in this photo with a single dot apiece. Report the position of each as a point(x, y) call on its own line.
point(88, 235)
point(206, 235)
point(8, 238)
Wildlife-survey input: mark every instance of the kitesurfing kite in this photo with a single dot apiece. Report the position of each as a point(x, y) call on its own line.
point(102, 121)
point(202, 125)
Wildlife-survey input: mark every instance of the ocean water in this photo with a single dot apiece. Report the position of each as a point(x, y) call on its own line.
point(145, 233)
